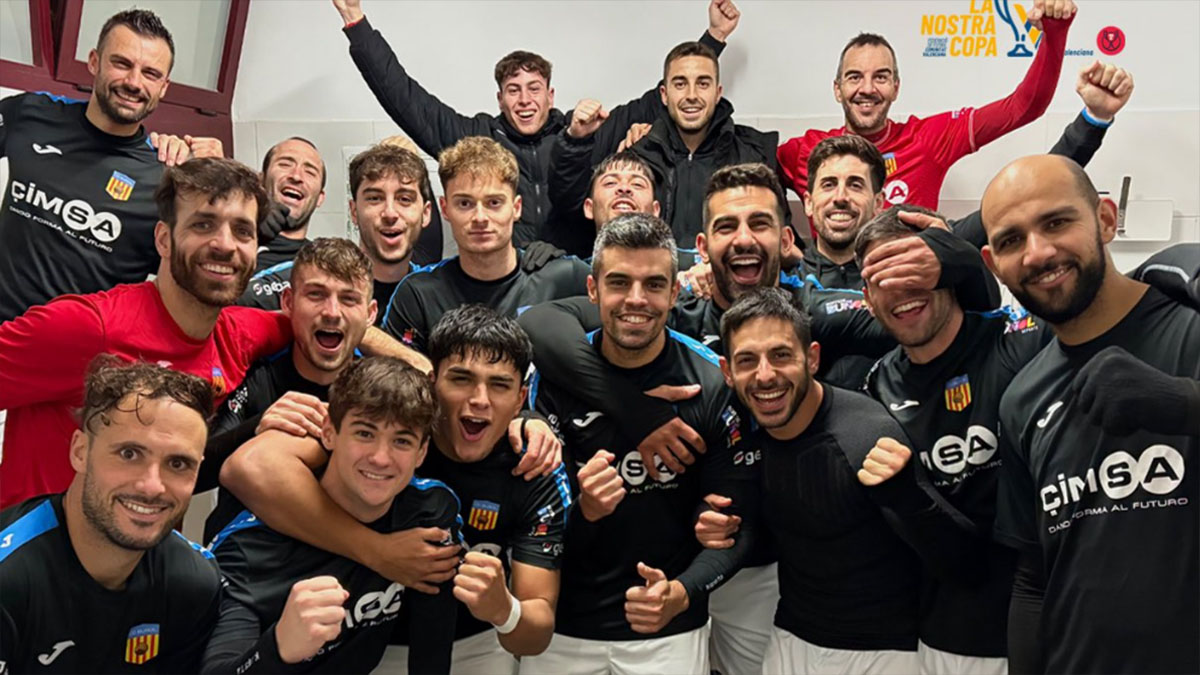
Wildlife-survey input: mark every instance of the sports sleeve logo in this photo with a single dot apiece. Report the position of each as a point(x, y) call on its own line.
point(142, 643)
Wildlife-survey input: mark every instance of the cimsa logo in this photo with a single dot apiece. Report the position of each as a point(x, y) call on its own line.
point(75, 214)
point(633, 470)
point(1158, 471)
point(375, 607)
point(954, 454)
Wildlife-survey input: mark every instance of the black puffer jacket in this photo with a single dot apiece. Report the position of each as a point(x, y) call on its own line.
point(680, 175)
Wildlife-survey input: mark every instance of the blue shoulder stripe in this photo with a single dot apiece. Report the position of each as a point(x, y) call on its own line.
point(431, 484)
point(812, 279)
point(195, 547)
point(790, 280)
point(696, 346)
point(591, 337)
point(60, 99)
point(564, 490)
point(274, 269)
point(27, 528)
point(243, 521)
point(414, 270)
point(534, 383)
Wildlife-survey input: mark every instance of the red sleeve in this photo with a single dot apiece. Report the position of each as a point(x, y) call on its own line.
point(1031, 98)
point(264, 333)
point(45, 352)
point(793, 165)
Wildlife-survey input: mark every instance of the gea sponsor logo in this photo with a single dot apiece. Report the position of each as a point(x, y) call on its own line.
point(633, 470)
point(1159, 470)
point(372, 606)
point(953, 454)
point(272, 287)
point(748, 457)
point(75, 214)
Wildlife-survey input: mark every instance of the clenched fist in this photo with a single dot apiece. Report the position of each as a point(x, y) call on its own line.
point(312, 616)
point(587, 118)
point(884, 461)
point(600, 487)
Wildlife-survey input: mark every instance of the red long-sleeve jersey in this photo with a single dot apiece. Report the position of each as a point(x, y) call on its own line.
point(920, 151)
point(44, 355)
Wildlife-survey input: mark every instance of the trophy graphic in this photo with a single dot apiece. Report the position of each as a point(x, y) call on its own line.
point(1019, 31)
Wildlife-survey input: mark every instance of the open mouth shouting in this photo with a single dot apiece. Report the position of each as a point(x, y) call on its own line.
point(291, 196)
point(746, 269)
point(472, 428)
point(329, 339)
point(393, 237)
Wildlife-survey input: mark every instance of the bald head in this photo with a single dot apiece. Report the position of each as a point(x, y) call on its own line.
point(1037, 177)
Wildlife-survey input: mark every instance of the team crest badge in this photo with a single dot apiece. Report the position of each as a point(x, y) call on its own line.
point(484, 515)
point(120, 186)
point(218, 381)
point(142, 643)
point(958, 393)
point(889, 162)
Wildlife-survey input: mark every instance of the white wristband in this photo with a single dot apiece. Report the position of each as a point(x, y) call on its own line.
point(514, 617)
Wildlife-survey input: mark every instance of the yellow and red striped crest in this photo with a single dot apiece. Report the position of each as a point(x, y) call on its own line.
point(958, 393)
point(142, 643)
point(120, 186)
point(484, 514)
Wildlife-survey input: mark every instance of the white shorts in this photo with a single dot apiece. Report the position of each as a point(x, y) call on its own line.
point(479, 654)
point(683, 654)
point(789, 655)
point(743, 615)
point(938, 662)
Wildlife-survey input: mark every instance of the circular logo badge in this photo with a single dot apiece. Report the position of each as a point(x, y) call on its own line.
point(1111, 40)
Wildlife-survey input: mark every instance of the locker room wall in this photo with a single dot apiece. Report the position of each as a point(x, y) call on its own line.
point(296, 77)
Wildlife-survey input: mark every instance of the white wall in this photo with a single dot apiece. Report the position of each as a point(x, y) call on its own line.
point(296, 77)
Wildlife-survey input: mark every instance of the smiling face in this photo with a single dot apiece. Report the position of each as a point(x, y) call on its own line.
point(840, 200)
point(635, 291)
point(139, 464)
point(743, 240)
point(771, 372)
point(329, 318)
point(212, 247)
point(130, 74)
point(294, 177)
point(914, 317)
point(477, 399)
point(525, 101)
point(691, 92)
point(867, 87)
point(390, 215)
point(1046, 242)
point(481, 211)
point(620, 189)
point(370, 462)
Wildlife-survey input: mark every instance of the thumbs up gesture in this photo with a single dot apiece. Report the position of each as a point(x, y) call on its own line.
point(600, 487)
point(715, 529)
point(649, 608)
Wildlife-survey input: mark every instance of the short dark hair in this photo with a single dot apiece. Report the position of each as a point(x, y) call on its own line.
point(479, 330)
point(868, 40)
point(144, 23)
point(848, 144)
point(740, 176)
point(383, 389)
point(515, 62)
point(690, 48)
point(110, 379)
point(626, 159)
point(338, 257)
point(764, 303)
point(214, 177)
point(271, 153)
point(887, 226)
point(635, 231)
point(384, 160)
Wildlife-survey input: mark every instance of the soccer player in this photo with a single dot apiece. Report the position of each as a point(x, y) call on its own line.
point(1096, 435)
point(79, 213)
point(94, 579)
point(481, 204)
point(528, 122)
point(920, 151)
point(287, 602)
point(513, 527)
point(206, 237)
point(840, 500)
point(635, 582)
point(294, 175)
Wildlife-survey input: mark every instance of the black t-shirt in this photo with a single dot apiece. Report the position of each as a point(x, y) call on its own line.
point(238, 418)
point(260, 566)
point(79, 213)
point(383, 292)
point(846, 578)
point(1114, 519)
point(502, 515)
point(55, 618)
point(654, 522)
point(279, 250)
point(949, 408)
point(828, 273)
point(425, 295)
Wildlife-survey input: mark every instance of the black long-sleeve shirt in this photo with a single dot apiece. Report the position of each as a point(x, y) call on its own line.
point(260, 566)
point(653, 524)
